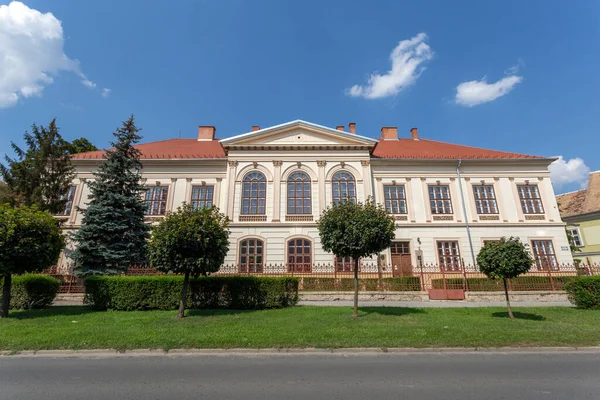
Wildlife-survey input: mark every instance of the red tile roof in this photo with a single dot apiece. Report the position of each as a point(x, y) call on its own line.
point(430, 149)
point(582, 201)
point(169, 149)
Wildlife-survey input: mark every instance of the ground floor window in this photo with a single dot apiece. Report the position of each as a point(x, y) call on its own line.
point(251, 255)
point(449, 255)
point(299, 255)
point(344, 264)
point(543, 254)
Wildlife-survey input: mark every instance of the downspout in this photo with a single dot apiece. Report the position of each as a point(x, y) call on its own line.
point(464, 207)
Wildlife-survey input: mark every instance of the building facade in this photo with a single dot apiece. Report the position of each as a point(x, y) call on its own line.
point(581, 212)
point(274, 183)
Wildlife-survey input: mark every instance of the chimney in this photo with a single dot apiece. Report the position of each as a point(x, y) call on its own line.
point(340, 128)
point(414, 132)
point(389, 133)
point(352, 127)
point(255, 128)
point(206, 133)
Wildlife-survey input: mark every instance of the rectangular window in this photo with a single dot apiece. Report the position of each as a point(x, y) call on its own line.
point(449, 255)
point(531, 202)
point(344, 264)
point(395, 199)
point(439, 198)
point(543, 253)
point(202, 197)
point(575, 236)
point(156, 200)
point(485, 199)
point(69, 195)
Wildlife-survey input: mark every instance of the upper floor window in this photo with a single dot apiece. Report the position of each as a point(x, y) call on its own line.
point(202, 197)
point(575, 236)
point(395, 199)
point(543, 254)
point(439, 198)
point(298, 193)
point(531, 202)
point(69, 195)
point(343, 187)
point(485, 199)
point(156, 200)
point(254, 193)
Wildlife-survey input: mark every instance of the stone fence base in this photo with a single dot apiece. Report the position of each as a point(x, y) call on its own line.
point(537, 296)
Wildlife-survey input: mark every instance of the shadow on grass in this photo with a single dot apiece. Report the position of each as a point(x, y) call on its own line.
point(395, 311)
point(216, 312)
point(519, 315)
point(50, 312)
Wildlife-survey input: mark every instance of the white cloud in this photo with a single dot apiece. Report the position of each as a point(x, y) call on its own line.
point(31, 52)
point(473, 93)
point(568, 172)
point(407, 65)
point(105, 92)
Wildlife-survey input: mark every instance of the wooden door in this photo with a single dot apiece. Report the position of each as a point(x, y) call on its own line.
point(401, 259)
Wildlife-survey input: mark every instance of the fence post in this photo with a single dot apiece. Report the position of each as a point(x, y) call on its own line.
point(551, 280)
point(465, 277)
point(379, 275)
point(422, 278)
point(444, 276)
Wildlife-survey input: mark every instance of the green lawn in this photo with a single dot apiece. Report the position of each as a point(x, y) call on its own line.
point(323, 327)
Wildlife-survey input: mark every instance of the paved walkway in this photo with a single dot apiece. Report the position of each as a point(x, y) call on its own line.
point(437, 304)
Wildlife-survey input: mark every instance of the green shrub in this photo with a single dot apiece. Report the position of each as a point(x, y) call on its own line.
point(32, 291)
point(403, 284)
point(309, 283)
point(127, 293)
point(584, 292)
point(407, 283)
point(520, 283)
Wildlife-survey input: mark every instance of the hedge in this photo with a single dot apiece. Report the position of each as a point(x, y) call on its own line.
point(128, 293)
point(407, 283)
point(584, 292)
point(32, 291)
point(521, 283)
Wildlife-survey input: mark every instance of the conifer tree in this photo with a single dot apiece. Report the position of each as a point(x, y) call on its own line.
point(113, 234)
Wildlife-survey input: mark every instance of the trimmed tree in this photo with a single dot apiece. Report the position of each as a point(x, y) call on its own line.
point(113, 235)
point(81, 145)
point(505, 259)
point(356, 230)
point(42, 173)
point(30, 241)
point(190, 242)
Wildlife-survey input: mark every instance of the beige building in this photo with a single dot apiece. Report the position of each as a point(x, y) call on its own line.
point(274, 182)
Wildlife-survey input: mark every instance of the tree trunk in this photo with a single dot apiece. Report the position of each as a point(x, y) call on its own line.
point(355, 312)
point(183, 300)
point(5, 296)
point(510, 314)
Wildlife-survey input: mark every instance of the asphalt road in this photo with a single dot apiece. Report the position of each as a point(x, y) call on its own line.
point(446, 376)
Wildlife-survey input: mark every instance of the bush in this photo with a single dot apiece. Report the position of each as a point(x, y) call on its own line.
point(521, 283)
point(32, 291)
point(407, 283)
point(128, 293)
point(403, 284)
point(584, 292)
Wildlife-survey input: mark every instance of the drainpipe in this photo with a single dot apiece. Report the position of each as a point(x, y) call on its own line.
point(464, 207)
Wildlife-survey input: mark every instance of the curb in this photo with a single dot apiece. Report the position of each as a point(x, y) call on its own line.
point(112, 353)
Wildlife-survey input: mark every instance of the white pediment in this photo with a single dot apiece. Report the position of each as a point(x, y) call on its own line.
point(298, 134)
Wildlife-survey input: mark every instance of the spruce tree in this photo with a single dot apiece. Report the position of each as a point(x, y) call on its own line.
point(113, 234)
point(42, 173)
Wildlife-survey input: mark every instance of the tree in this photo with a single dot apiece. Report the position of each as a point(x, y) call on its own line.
point(505, 259)
point(6, 195)
point(81, 145)
point(356, 230)
point(42, 173)
point(30, 241)
point(113, 235)
point(189, 242)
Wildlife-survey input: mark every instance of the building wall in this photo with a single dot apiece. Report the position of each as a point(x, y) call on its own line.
point(589, 231)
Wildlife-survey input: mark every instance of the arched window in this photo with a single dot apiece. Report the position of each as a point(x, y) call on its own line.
point(251, 255)
point(298, 193)
point(343, 187)
point(254, 193)
point(299, 255)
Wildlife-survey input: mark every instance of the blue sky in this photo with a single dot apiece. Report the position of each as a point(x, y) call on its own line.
point(529, 70)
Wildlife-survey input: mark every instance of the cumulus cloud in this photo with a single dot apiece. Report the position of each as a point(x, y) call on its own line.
point(31, 53)
point(473, 93)
point(573, 171)
point(407, 60)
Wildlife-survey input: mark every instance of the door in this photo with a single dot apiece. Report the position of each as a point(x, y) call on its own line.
point(401, 260)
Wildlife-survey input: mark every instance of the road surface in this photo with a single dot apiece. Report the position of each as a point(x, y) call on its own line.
point(464, 376)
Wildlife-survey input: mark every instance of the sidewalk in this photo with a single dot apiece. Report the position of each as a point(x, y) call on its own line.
point(437, 304)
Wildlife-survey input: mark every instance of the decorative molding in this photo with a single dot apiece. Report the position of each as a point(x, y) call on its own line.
point(343, 164)
point(276, 163)
point(511, 178)
point(82, 180)
point(378, 179)
point(173, 180)
point(253, 218)
point(299, 164)
point(452, 179)
point(401, 217)
point(202, 183)
point(254, 164)
point(298, 218)
point(535, 217)
point(423, 179)
point(321, 163)
point(443, 218)
point(233, 163)
point(143, 181)
point(540, 178)
point(188, 180)
point(489, 218)
point(157, 183)
point(408, 179)
point(467, 179)
point(496, 178)
point(364, 163)
point(219, 179)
